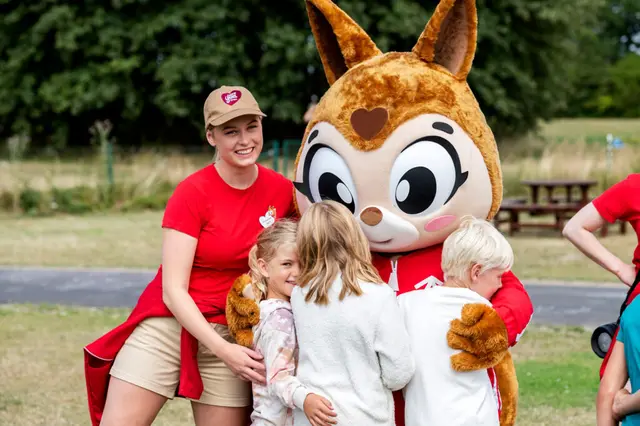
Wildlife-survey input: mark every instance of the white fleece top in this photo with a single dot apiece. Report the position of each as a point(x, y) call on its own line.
point(353, 352)
point(437, 395)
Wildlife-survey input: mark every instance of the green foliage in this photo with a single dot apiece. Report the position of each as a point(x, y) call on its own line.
point(608, 63)
point(620, 90)
point(148, 66)
point(30, 201)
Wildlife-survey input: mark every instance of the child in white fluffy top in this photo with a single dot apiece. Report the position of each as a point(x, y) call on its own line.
point(474, 257)
point(354, 348)
point(274, 269)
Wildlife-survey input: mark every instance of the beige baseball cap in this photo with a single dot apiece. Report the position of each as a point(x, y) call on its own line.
point(228, 102)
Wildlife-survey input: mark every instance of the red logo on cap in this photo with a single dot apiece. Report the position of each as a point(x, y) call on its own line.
point(231, 97)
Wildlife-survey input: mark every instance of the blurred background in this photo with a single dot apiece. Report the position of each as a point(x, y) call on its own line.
point(99, 93)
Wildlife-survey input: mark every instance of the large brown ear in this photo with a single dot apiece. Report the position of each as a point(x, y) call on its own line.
point(449, 39)
point(341, 42)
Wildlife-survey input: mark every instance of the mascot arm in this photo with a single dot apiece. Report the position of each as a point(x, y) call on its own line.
point(513, 304)
point(242, 311)
point(484, 333)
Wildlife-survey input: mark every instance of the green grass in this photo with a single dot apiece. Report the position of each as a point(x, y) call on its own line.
point(558, 376)
point(572, 382)
point(41, 369)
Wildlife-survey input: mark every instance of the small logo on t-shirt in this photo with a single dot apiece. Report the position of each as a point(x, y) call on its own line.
point(429, 282)
point(269, 217)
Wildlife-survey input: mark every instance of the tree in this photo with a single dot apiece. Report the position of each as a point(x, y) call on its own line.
point(148, 66)
point(606, 75)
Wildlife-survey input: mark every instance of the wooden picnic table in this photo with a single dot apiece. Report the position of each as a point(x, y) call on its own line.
point(560, 207)
point(567, 184)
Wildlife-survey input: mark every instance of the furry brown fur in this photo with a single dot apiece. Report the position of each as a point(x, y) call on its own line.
point(506, 371)
point(242, 313)
point(430, 79)
point(482, 337)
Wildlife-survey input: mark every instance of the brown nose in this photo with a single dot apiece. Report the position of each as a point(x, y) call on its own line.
point(371, 216)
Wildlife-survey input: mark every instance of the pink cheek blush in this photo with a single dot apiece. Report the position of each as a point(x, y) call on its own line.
point(439, 222)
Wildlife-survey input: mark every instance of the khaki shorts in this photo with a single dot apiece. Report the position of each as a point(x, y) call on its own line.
point(150, 358)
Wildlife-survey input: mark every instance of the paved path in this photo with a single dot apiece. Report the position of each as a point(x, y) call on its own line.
point(555, 303)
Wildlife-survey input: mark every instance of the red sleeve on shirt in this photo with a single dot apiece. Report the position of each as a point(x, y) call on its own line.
point(184, 210)
point(513, 305)
point(613, 204)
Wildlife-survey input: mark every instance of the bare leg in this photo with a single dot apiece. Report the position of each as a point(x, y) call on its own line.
point(128, 404)
point(212, 415)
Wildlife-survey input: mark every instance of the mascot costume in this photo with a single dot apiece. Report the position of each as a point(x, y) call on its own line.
point(400, 140)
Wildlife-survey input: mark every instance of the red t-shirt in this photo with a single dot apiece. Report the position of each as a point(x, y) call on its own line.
point(622, 202)
point(226, 221)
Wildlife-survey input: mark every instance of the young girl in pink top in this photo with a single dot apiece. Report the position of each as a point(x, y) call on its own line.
point(274, 271)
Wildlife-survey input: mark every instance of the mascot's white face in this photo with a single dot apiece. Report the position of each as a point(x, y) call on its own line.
point(408, 194)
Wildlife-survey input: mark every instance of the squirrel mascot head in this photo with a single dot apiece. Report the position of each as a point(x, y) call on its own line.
point(399, 138)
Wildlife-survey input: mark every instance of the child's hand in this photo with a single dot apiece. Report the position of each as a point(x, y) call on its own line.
point(318, 410)
point(619, 409)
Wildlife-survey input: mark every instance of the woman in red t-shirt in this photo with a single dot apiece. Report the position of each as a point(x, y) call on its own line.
point(620, 202)
point(176, 341)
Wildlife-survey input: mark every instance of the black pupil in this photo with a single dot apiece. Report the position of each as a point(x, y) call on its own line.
point(328, 189)
point(422, 190)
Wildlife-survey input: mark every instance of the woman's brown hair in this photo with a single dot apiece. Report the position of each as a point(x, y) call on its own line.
point(330, 242)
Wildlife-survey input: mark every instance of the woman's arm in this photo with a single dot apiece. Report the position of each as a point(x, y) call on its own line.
point(178, 251)
point(579, 230)
point(614, 379)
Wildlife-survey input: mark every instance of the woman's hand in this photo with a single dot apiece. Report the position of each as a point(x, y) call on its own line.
point(626, 273)
point(319, 410)
point(243, 362)
point(619, 406)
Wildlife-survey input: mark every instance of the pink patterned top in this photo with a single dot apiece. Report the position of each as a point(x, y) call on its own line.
point(274, 337)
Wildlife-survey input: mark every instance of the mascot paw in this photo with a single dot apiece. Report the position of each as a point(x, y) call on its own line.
point(242, 311)
point(481, 336)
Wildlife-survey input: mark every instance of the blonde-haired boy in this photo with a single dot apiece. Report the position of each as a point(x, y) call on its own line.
point(474, 257)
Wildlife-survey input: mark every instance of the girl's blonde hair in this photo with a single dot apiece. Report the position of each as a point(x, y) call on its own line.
point(282, 232)
point(330, 241)
point(476, 241)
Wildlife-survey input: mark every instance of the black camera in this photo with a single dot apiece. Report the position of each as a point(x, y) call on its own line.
point(602, 338)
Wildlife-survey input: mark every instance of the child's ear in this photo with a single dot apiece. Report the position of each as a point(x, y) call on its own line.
point(263, 268)
point(475, 272)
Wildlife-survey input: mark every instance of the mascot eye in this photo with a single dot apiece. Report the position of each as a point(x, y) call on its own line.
point(425, 176)
point(328, 177)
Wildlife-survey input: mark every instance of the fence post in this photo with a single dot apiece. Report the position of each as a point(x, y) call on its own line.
point(609, 159)
point(109, 161)
point(285, 157)
point(276, 154)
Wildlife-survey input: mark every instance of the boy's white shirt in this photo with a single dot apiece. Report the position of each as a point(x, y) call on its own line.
point(437, 395)
point(354, 352)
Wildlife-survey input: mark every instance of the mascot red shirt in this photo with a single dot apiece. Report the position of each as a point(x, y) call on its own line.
point(400, 140)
